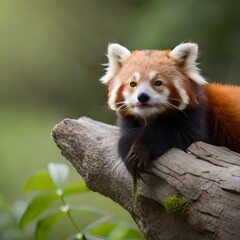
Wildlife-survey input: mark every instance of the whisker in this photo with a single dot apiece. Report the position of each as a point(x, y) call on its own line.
point(172, 106)
point(175, 107)
point(122, 107)
point(121, 102)
point(174, 99)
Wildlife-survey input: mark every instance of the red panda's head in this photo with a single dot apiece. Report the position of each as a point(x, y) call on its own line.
point(150, 82)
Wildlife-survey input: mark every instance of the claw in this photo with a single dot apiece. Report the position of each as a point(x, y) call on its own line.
point(137, 160)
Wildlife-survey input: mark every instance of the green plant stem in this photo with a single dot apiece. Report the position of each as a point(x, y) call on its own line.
point(71, 218)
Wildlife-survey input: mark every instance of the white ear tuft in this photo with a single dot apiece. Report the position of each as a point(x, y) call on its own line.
point(117, 54)
point(186, 54)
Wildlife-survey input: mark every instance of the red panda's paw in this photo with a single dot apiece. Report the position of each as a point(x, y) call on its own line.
point(137, 160)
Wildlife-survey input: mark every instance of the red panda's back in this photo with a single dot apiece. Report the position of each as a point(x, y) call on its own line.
point(223, 114)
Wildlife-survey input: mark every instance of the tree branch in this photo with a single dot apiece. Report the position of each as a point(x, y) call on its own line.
point(208, 176)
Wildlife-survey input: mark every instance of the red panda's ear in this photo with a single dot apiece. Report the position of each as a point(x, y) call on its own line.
point(117, 54)
point(186, 55)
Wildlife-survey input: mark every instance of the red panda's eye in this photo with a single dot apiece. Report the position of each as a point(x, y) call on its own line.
point(133, 84)
point(157, 83)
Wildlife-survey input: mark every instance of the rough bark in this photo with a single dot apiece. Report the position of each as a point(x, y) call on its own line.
point(208, 176)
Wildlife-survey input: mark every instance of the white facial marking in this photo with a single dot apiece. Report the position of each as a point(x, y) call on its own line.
point(137, 76)
point(143, 87)
point(113, 95)
point(152, 74)
point(165, 94)
point(183, 95)
point(158, 102)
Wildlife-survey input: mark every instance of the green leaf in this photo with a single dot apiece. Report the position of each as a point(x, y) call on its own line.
point(39, 181)
point(90, 237)
point(76, 188)
point(44, 225)
point(123, 232)
point(36, 207)
point(77, 236)
point(59, 173)
point(87, 208)
point(96, 223)
point(118, 233)
point(102, 230)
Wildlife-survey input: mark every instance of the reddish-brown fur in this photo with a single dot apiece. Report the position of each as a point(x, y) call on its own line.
point(223, 114)
point(223, 110)
point(188, 109)
point(143, 62)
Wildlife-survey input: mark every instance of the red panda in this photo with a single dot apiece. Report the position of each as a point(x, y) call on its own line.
point(163, 102)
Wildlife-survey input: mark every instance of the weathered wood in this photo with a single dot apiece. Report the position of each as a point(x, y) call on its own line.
point(208, 176)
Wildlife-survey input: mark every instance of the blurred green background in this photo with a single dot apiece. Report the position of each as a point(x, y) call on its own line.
point(50, 55)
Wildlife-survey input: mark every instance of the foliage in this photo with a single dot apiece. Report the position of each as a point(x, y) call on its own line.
point(49, 205)
point(9, 218)
point(50, 55)
point(176, 205)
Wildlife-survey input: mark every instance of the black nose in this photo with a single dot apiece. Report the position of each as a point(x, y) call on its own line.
point(143, 97)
